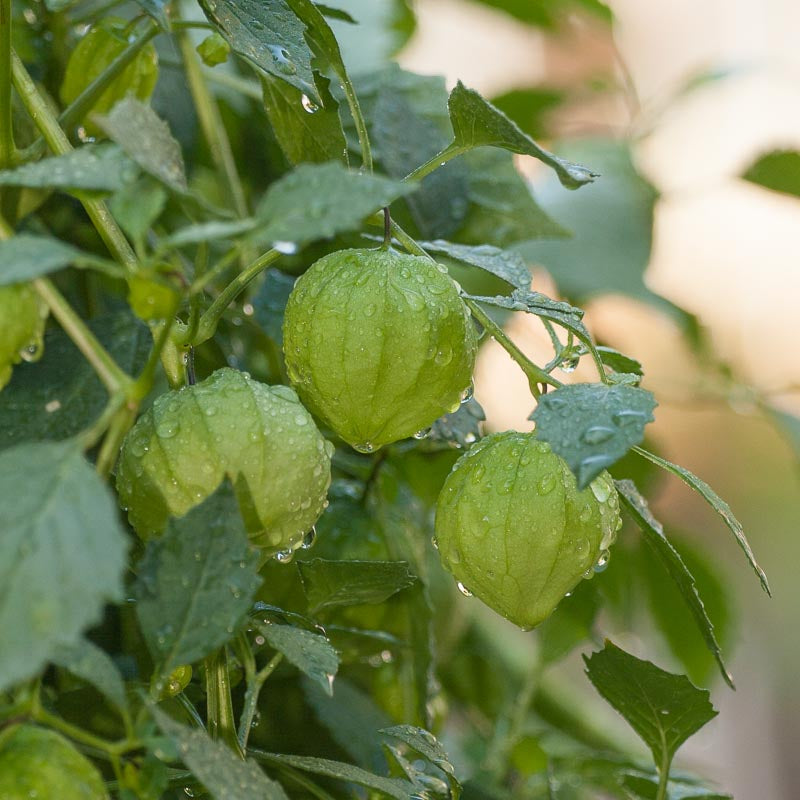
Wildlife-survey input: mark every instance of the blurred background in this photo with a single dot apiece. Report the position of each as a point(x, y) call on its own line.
point(683, 96)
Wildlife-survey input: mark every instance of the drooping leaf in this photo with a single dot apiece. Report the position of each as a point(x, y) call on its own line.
point(93, 665)
point(508, 266)
point(717, 503)
point(224, 776)
point(778, 170)
point(310, 652)
point(196, 582)
point(60, 395)
point(476, 122)
point(329, 584)
point(664, 709)
point(93, 168)
point(592, 425)
point(146, 138)
point(62, 553)
point(269, 35)
point(316, 201)
point(674, 565)
point(27, 256)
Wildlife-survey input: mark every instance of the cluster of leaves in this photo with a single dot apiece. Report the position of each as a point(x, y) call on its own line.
point(143, 229)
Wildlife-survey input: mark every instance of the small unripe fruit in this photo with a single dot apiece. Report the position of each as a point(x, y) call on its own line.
point(22, 318)
point(515, 531)
point(378, 344)
point(181, 448)
point(35, 762)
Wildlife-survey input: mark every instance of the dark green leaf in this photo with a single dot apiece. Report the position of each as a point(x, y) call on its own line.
point(335, 13)
point(305, 131)
point(391, 787)
point(26, 256)
point(93, 168)
point(320, 36)
point(316, 201)
point(146, 138)
point(310, 652)
point(717, 503)
point(529, 107)
point(61, 394)
point(224, 776)
point(460, 428)
point(506, 265)
point(136, 207)
point(674, 565)
point(329, 584)
point(207, 232)
point(592, 425)
point(778, 170)
point(570, 624)
point(62, 553)
point(269, 303)
point(664, 709)
point(644, 787)
point(476, 122)
point(548, 13)
point(93, 665)
point(618, 362)
point(196, 583)
point(269, 35)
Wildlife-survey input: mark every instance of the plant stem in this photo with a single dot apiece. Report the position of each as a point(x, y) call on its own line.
point(120, 425)
point(221, 724)
point(111, 749)
point(212, 125)
point(7, 149)
point(144, 382)
point(254, 685)
point(663, 777)
point(360, 122)
point(208, 322)
point(57, 140)
point(113, 378)
point(439, 160)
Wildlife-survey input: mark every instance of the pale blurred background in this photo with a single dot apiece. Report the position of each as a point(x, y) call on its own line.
point(725, 250)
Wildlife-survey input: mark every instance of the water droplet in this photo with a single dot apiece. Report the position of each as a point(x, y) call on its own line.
point(364, 447)
point(309, 538)
point(628, 417)
point(187, 790)
point(434, 543)
point(308, 104)
point(259, 640)
point(257, 716)
point(467, 394)
point(444, 356)
point(287, 248)
point(284, 556)
point(463, 589)
point(597, 434)
point(33, 352)
point(601, 490)
point(52, 406)
point(602, 561)
point(546, 483)
point(422, 434)
point(569, 364)
point(166, 429)
point(283, 63)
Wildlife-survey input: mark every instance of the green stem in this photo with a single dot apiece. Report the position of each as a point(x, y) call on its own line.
point(144, 382)
point(113, 378)
point(212, 125)
point(663, 777)
point(439, 160)
point(58, 142)
point(360, 122)
point(254, 685)
point(92, 434)
point(120, 425)
point(7, 149)
point(221, 724)
point(208, 322)
point(111, 749)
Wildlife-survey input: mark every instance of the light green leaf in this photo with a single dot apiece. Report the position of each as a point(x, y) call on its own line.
point(329, 584)
point(207, 232)
point(27, 256)
point(778, 170)
point(310, 652)
point(476, 122)
point(224, 776)
point(717, 503)
point(618, 361)
point(508, 266)
point(197, 582)
point(672, 562)
point(664, 709)
point(146, 138)
point(269, 35)
point(137, 206)
point(316, 201)
point(592, 425)
point(62, 553)
point(93, 168)
point(93, 665)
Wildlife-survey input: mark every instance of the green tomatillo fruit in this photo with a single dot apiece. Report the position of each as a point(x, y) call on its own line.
point(260, 436)
point(35, 762)
point(515, 531)
point(22, 317)
point(378, 344)
point(94, 52)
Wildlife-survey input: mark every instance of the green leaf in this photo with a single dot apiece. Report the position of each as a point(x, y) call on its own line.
point(61, 395)
point(548, 13)
point(62, 553)
point(778, 170)
point(570, 624)
point(460, 428)
point(310, 652)
point(137, 207)
point(331, 584)
point(93, 168)
point(788, 424)
point(476, 122)
point(508, 266)
point(391, 787)
point(269, 303)
point(664, 709)
point(93, 665)
point(717, 503)
point(26, 256)
point(592, 425)
point(529, 107)
point(316, 201)
point(269, 35)
point(157, 10)
point(146, 138)
point(207, 232)
point(618, 362)
point(674, 565)
point(196, 583)
point(224, 776)
point(645, 787)
point(305, 131)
